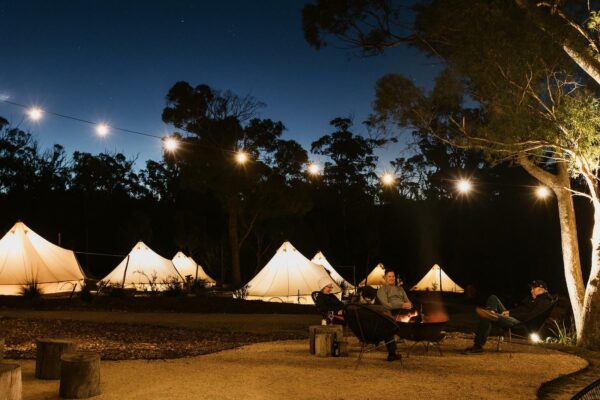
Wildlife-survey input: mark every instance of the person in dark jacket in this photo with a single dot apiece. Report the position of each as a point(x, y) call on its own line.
point(328, 302)
point(495, 313)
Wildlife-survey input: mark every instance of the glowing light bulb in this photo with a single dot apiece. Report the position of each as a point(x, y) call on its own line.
point(171, 144)
point(313, 168)
point(387, 178)
point(535, 338)
point(464, 186)
point(542, 192)
point(241, 157)
point(35, 113)
point(102, 129)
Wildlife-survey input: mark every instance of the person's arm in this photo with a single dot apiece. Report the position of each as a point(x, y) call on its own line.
point(382, 296)
point(407, 303)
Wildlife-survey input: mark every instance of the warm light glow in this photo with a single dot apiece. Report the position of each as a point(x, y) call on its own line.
point(35, 113)
point(313, 168)
point(102, 129)
point(241, 157)
point(387, 178)
point(464, 186)
point(542, 192)
point(171, 144)
point(535, 338)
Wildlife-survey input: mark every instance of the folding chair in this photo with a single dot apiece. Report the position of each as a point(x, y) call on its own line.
point(370, 327)
point(527, 327)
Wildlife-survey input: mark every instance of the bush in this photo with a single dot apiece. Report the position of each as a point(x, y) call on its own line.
point(117, 291)
point(241, 293)
point(85, 294)
point(31, 290)
point(563, 334)
point(173, 287)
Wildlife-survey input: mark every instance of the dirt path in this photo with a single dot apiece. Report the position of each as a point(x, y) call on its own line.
point(280, 370)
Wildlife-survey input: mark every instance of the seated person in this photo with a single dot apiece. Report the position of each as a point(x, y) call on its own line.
point(328, 302)
point(495, 313)
point(393, 298)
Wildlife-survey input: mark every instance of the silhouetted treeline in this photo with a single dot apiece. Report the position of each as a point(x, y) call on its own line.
point(498, 237)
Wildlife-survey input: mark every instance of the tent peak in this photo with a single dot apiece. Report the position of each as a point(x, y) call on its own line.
point(287, 246)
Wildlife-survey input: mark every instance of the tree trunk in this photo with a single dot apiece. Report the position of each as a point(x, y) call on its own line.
point(232, 209)
point(590, 330)
point(561, 186)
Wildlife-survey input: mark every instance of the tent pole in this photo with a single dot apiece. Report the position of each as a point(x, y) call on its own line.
point(440, 279)
point(125, 272)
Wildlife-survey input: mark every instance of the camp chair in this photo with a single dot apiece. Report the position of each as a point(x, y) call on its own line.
point(370, 327)
point(590, 392)
point(527, 327)
point(324, 313)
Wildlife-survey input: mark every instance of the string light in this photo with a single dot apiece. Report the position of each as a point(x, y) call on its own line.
point(387, 178)
point(35, 113)
point(102, 129)
point(171, 144)
point(542, 192)
point(464, 186)
point(313, 168)
point(241, 157)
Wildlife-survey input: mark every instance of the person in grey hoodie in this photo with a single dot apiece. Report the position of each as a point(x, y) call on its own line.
point(392, 297)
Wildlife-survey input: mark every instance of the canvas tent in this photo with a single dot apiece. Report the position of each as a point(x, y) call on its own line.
point(320, 259)
point(376, 277)
point(288, 277)
point(186, 266)
point(139, 268)
point(26, 257)
point(436, 280)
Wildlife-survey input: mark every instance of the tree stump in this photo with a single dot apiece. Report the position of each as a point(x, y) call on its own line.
point(323, 344)
point(337, 330)
point(343, 348)
point(79, 375)
point(47, 362)
point(10, 382)
point(1, 349)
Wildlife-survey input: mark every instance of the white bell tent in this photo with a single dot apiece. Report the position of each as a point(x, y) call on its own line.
point(186, 266)
point(436, 280)
point(376, 277)
point(320, 259)
point(26, 258)
point(288, 277)
point(141, 267)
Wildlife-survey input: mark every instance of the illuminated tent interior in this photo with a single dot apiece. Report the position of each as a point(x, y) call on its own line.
point(139, 268)
point(320, 259)
point(288, 277)
point(26, 257)
point(436, 280)
point(376, 277)
point(186, 266)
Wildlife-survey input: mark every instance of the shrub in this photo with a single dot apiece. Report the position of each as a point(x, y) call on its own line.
point(31, 290)
point(173, 287)
point(152, 285)
point(85, 294)
point(563, 334)
point(241, 293)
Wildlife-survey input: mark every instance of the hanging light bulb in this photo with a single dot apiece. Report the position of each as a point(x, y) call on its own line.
point(313, 168)
point(171, 144)
point(542, 192)
point(35, 113)
point(464, 186)
point(388, 178)
point(241, 157)
point(102, 129)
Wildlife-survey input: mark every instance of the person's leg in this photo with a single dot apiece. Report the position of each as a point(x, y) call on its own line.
point(493, 303)
point(482, 332)
point(390, 344)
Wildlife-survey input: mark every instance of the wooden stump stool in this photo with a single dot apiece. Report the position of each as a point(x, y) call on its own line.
point(79, 375)
point(323, 344)
point(336, 330)
point(1, 349)
point(10, 382)
point(343, 348)
point(47, 362)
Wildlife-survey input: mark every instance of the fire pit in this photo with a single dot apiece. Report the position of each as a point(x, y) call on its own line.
point(427, 330)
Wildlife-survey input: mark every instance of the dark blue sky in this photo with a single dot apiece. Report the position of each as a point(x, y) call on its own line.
point(114, 61)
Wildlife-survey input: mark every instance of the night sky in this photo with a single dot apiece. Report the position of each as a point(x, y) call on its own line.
point(114, 61)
